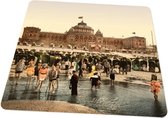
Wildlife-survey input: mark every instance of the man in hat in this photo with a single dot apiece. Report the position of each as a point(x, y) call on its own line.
point(74, 83)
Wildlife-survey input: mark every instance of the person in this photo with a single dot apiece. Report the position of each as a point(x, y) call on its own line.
point(30, 73)
point(112, 76)
point(52, 79)
point(58, 73)
point(106, 67)
point(99, 67)
point(99, 80)
point(42, 76)
point(84, 66)
point(80, 63)
point(36, 72)
point(67, 64)
point(73, 65)
point(123, 66)
point(95, 80)
point(70, 73)
point(19, 69)
point(31, 62)
point(155, 86)
point(67, 67)
point(74, 83)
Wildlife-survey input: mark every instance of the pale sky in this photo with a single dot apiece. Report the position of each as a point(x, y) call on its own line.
point(111, 20)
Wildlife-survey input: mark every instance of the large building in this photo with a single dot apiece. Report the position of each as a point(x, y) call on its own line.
point(82, 37)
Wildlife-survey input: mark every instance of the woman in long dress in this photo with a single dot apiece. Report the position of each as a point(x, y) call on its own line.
point(155, 86)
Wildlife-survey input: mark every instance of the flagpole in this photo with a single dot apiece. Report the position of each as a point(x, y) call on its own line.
point(80, 17)
point(152, 43)
point(152, 37)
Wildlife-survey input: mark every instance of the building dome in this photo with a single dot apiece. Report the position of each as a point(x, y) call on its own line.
point(81, 28)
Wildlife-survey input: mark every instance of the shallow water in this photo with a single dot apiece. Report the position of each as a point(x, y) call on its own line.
point(121, 98)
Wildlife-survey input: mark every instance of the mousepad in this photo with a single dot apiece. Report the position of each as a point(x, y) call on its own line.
point(86, 58)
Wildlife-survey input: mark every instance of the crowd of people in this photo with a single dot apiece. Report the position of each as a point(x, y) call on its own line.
point(85, 61)
point(42, 66)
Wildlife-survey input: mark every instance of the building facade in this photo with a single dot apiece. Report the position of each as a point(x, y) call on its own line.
point(82, 37)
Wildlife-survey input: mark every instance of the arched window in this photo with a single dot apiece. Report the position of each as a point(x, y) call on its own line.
point(34, 44)
point(85, 38)
point(81, 37)
point(76, 37)
point(61, 46)
point(90, 38)
point(69, 46)
point(75, 47)
point(51, 45)
point(42, 44)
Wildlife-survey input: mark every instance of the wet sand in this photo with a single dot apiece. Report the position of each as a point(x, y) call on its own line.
point(48, 106)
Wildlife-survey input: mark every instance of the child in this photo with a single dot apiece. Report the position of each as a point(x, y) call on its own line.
point(155, 86)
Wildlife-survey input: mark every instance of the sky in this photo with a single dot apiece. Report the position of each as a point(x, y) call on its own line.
point(111, 20)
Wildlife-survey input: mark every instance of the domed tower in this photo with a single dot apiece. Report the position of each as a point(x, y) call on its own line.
point(81, 28)
point(80, 35)
point(99, 37)
point(30, 34)
point(98, 33)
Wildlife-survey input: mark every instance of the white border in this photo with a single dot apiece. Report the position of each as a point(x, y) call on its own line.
point(12, 13)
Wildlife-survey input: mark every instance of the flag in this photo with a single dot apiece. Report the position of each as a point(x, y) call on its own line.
point(133, 33)
point(80, 17)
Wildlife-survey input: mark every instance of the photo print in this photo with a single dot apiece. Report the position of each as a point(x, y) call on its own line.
point(86, 58)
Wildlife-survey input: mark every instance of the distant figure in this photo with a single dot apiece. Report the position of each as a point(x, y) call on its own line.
point(67, 66)
point(80, 68)
point(99, 80)
point(106, 67)
point(74, 84)
point(123, 66)
point(95, 80)
point(58, 73)
point(112, 76)
point(99, 67)
point(155, 86)
point(73, 65)
point(84, 66)
point(19, 69)
point(70, 73)
point(36, 72)
point(53, 74)
point(31, 62)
